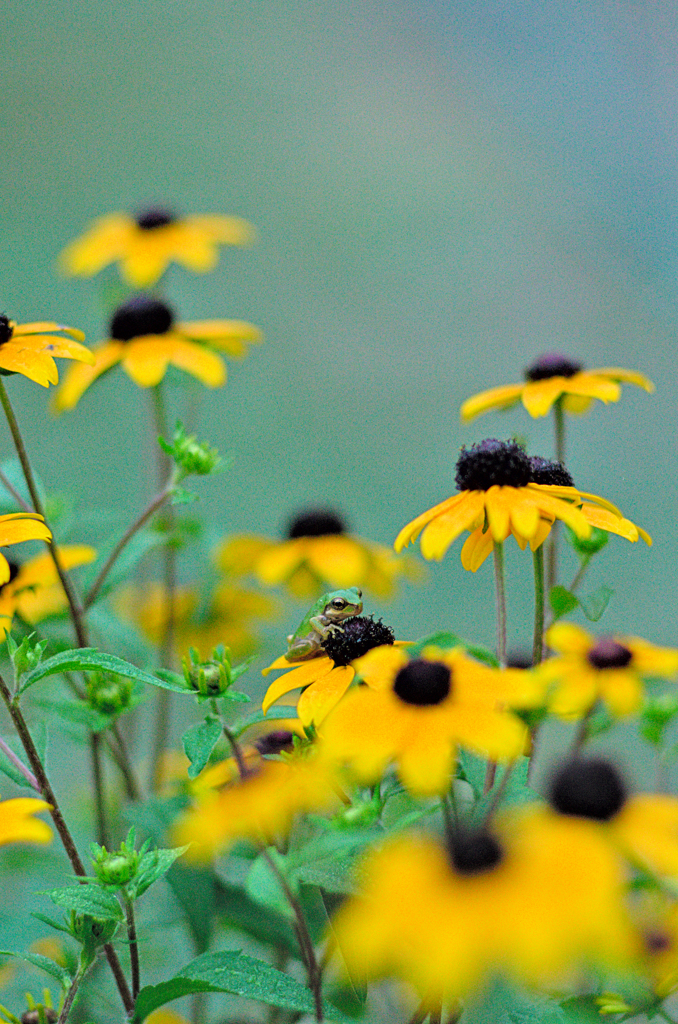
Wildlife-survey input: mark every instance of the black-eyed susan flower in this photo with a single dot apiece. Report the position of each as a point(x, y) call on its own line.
point(499, 497)
point(586, 669)
point(145, 339)
point(225, 618)
point(642, 826)
point(326, 678)
point(514, 901)
point(18, 823)
point(551, 378)
point(317, 554)
point(15, 528)
point(30, 349)
point(415, 713)
point(145, 245)
point(34, 590)
point(271, 743)
point(260, 807)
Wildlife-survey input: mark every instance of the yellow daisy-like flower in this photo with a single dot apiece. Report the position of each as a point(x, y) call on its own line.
point(145, 245)
point(268, 743)
point(260, 807)
point(643, 827)
point(34, 590)
point(18, 527)
point(499, 496)
point(554, 377)
point(586, 669)
point(18, 824)
point(30, 349)
point(325, 678)
point(145, 340)
point(226, 619)
point(537, 899)
point(416, 712)
point(317, 554)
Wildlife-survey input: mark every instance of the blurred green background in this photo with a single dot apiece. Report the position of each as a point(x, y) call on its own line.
point(443, 192)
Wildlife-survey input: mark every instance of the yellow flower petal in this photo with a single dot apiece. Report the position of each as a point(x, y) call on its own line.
point(410, 532)
point(17, 823)
point(146, 359)
point(309, 672)
point(592, 384)
point(230, 336)
point(477, 547)
point(496, 398)
point(203, 364)
point(79, 376)
point(566, 638)
point(626, 377)
point(317, 700)
point(538, 396)
point(444, 530)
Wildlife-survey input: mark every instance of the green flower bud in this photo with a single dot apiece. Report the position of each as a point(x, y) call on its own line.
point(27, 655)
point(108, 694)
point(208, 678)
point(192, 457)
point(588, 546)
point(118, 867)
point(90, 932)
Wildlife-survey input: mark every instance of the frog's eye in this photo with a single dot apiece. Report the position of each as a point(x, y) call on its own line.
point(338, 603)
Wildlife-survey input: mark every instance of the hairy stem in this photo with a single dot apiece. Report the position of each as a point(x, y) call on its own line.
point(552, 543)
point(99, 800)
point(70, 995)
point(133, 945)
point(538, 639)
point(20, 766)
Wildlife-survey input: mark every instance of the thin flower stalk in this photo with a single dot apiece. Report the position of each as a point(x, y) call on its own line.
point(133, 944)
point(82, 970)
point(538, 639)
point(20, 766)
point(552, 548)
point(47, 793)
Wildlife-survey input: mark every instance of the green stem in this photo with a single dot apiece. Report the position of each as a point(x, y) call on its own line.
point(163, 697)
point(76, 609)
point(501, 789)
point(133, 945)
point(552, 543)
point(60, 825)
point(98, 776)
point(538, 640)
point(500, 601)
point(150, 509)
point(70, 995)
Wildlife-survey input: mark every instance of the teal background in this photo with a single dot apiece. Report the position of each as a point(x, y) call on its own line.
point(442, 193)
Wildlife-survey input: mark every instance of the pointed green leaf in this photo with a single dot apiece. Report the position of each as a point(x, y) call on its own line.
point(154, 865)
point(44, 963)
point(85, 659)
point(562, 602)
point(238, 974)
point(199, 741)
point(594, 604)
point(87, 899)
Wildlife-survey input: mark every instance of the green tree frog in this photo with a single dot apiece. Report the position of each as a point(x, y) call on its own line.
point(321, 621)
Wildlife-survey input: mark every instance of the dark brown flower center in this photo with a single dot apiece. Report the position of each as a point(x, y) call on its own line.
point(275, 742)
point(139, 316)
point(316, 522)
point(356, 637)
point(13, 572)
point(490, 463)
point(474, 852)
point(544, 471)
point(423, 683)
point(154, 217)
point(607, 653)
point(588, 787)
point(6, 329)
point(657, 942)
point(552, 364)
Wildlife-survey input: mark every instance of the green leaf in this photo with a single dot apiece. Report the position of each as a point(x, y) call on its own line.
point(238, 974)
point(594, 604)
point(85, 659)
point(263, 886)
point(167, 680)
point(199, 741)
point(152, 866)
point(235, 695)
point(562, 601)
point(39, 733)
point(77, 713)
point(87, 899)
point(238, 910)
point(194, 890)
point(275, 714)
point(44, 963)
point(335, 876)
point(473, 771)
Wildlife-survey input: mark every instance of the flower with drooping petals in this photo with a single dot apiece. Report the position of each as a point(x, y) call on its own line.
point(30, 349)
point(146, 340)
point(15, 528)
point(34, 590)
point(498, 497)
point(145, 245)
point(554, 377)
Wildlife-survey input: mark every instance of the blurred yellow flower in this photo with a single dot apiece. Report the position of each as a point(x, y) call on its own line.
point(586, 669)
point(260, 807)
point(15, 528)
point(226, 618)
point(416, 712)
point(18, 824)
point(318, 554)
point(145, 245)
point(145, 340)
point(551, 378)
point(34, 590)
point(30, 349)
point(535, 898)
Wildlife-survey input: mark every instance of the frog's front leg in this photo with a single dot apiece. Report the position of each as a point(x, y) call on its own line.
point(323, 627)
